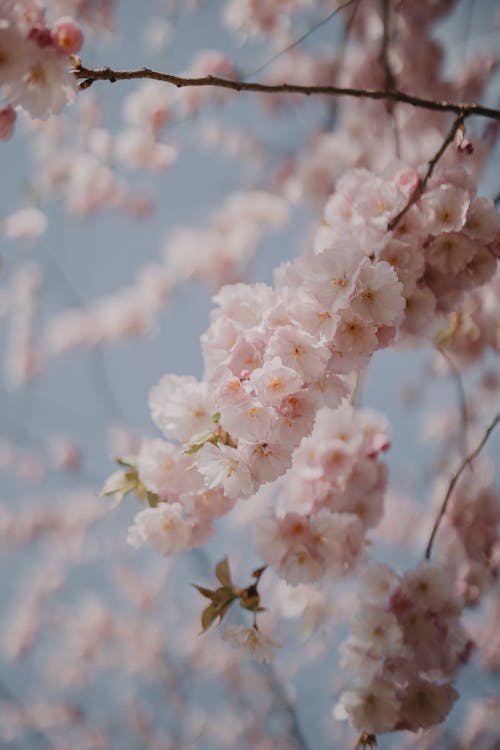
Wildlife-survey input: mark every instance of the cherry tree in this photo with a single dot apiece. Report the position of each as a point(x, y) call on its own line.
point(264, 480)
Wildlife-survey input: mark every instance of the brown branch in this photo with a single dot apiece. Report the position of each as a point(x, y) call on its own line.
point(465, 109)
point(430, 169)
point(468, 460)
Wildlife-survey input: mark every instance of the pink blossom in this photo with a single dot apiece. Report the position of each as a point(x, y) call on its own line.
point(378, 295)
point(374, 708)
point(273, 381)
point(251, 642)
point(299, 351)
point(225, 466)
point(182, 407)
point(25, 224)
point(163, 527)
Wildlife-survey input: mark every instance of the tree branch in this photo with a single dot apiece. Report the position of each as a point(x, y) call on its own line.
point(430, 169)
point(465, 109)
point(453, 482)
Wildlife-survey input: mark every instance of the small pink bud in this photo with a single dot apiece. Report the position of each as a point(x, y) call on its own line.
point(244, 374)
point(7, 122)
point(67, 35)
point(41, 36)
point(466, 147)
point(463, 145)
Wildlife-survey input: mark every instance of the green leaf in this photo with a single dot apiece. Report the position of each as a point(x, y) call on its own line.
point(203, 591)
point(152, 498)
point(223, 573)
point(208, 616)
point(216, 417)
point(127, 462)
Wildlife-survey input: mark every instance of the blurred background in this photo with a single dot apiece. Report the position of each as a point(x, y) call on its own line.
point(100, 644)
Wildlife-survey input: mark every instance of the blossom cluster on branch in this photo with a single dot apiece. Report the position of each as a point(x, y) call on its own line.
point(270, 449)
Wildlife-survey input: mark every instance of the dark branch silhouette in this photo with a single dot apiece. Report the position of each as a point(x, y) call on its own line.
point(464, 109)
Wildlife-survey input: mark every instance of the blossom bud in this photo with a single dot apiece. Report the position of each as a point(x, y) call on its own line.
point(7, 122)
point(67, 35)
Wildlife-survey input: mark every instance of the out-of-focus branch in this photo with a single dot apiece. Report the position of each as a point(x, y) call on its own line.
point(430, 169)
point(462, 400)
point(465, 109)
point(389, 78)
point(453, 482)
point(303, 36)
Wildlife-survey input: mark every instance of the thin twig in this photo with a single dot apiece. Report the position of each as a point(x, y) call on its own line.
point(390, 80)
point(462, 400)
point(430, 169)
point(303, 36)
point(465, 109)
point(453, 482)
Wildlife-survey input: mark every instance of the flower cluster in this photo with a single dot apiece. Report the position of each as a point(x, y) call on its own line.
point(34, 61)
point(183, 507)
point(329, 499)
point(405, 646)
point(470, 539)
point(275, 356)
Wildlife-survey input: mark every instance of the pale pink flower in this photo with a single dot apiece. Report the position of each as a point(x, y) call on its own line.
point(329, 390)
point(377, 202)
point(269, 539)
point(299, 351)
point(46, 86)
point(162, 468)
point(15, 53)
point(300, 566)
point(139, 150)
point(338, 539)
point(451, 252)
point(377, 583)
point(428, 587)
point(163, 527)
point(483, 221)
point(273, 381)
point(425, 703)
point(378, 630)
point(378, 295)
point(445, 209)
point(373, 708)
point(182, 407)
point(148, 106)
point(25, 224)
point(252, 642)
point(222, 465)
point(267, 461)
point(296, 417)
point(354, 334)
point(332, 274)
point(249, 420)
